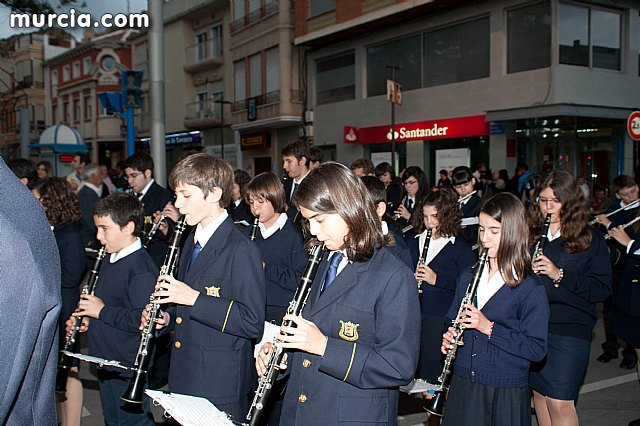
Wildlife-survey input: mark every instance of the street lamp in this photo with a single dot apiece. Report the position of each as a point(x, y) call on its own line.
point(393, 115)
point(222, 103)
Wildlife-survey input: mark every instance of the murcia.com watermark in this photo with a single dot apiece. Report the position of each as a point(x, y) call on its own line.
point(72, 19)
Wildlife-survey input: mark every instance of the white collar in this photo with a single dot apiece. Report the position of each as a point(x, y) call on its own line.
point(97, 190)
point(278, 224)
point(132, 248)
point(556, 235)
point(297, 182)
point(466, 198)
point(203, 235)
point(488, 287)
point(385, 228)
point(146, 188)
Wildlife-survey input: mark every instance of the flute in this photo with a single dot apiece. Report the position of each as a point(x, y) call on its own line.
point(625, 226)
point(629, 206)
point(72, 339)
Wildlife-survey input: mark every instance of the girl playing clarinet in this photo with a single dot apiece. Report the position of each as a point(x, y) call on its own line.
point(355, 342)
point(576, 273)
point(506, 327)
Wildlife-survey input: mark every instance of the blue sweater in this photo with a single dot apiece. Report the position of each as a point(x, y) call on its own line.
point(586, 282)
point(124, 287)
point(519, 337)
point(285, 258)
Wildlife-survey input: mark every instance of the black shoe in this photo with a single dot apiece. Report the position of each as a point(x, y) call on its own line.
point(628, 364)
point(607, 356)
point(635, 422)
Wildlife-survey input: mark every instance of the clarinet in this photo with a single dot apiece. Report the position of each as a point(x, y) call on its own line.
point(148, 239)
point(265, 383)
point(423, 257)
point(436, 404)
point(254, 228)
point(544, 237)
point(73, 339)
point(140, 368)
point(404, 200)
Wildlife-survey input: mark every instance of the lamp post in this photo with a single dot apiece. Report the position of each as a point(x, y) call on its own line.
point(394, 96)
point(222, 103)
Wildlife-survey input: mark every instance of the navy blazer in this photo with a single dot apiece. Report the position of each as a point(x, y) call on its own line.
point(448, 264)
point(29, 307)
point(628, 297)
point(371, 317)
point(212, 355)
point(471, 209)
point(88, 199)
point(292, 212)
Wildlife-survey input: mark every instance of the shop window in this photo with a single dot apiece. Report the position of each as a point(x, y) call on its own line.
point(529, 37)
point(589, 36)
point(404, 55)
point(336, 79)
point(457, 53)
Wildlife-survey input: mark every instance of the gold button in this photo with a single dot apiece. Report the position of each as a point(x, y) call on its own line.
point(306, 363)
point(179, 320)
point(302, 398)
point(177, 345)
point(634, 280)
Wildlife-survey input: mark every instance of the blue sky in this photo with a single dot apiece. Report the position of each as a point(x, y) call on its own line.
point(94, 7)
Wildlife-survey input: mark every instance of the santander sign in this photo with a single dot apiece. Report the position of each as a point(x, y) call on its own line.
point(448, 128)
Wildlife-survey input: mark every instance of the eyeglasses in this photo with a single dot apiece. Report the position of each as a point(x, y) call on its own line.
point(543, 200)
point(410, 182)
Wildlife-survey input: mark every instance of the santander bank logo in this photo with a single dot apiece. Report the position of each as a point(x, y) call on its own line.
point(418, 133)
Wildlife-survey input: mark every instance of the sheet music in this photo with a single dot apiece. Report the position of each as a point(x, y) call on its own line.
point(243, 222)
point(189, 410)
point(94, 359)
point(270, 332)
point(418, 385)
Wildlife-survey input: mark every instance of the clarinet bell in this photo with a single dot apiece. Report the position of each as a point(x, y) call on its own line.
point(135, 391)
point(436, 404)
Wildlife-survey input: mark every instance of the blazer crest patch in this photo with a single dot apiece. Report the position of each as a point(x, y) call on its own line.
point(348, 331)
point(213, 291)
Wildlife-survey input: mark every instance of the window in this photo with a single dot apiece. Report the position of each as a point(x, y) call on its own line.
point(317, 7)
point(76, 110)
point(201, 48)
point(589, 37)
point(23, 74)
point(254, 6)
point(238, 9)
point(86, 65)
point(54, 114)
point(529, 37)
point(38, 73)
point(67, 113)
point(66, 73)
point(216, 41)
point(336, 79)
point(457, 53)
point(54, 77)
point(273, 70)
point(217, 90)
point(76, 69)
point(140, 58)
point(240, 83)
point(88, 111)
point(255, 75)
point(404, 55)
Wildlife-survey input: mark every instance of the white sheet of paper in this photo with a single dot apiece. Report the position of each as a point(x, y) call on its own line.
point(189, 410)
point(270, 332)
point(418, 385)
point(94, 359)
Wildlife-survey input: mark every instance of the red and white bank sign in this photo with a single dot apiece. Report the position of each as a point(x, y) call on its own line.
point(633, 125)
point(350, 134)
point(448, 128)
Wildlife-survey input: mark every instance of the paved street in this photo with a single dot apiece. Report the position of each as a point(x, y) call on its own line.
point(610, 396)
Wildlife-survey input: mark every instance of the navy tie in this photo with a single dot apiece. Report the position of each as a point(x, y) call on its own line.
point(410, 204)
point(197, 248)
point(333, 270)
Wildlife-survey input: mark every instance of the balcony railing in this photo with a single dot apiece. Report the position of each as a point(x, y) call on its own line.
point(203, 110)
point(267, 98)
point(271, 8)
point(204, 52)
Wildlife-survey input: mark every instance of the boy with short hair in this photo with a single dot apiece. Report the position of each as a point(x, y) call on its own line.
point(219, 292)
point(126, 280)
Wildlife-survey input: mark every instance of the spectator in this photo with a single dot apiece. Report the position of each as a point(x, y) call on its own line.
point(315, 157)
point(295, 157)
point(77, 175)
point(362, 167)
point(444, 179)
point(89, 194)
point(44, 169)
point(25, 171)
point(392, 184)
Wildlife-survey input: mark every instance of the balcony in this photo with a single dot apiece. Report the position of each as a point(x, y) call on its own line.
point(270, 106)
point(201, 115)
point(270, 8)
point(202, 56)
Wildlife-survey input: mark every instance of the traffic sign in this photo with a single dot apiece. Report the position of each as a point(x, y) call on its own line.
point(394, 92)
point(633, 125)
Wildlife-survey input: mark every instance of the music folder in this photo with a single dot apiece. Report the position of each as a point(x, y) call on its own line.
point(189, 410)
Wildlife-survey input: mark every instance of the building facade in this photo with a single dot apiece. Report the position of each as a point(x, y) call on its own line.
point(549, 83)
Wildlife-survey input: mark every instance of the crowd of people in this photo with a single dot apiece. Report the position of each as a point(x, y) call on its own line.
point(388, 300)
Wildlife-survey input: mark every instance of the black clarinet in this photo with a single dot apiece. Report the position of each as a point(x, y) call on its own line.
point(423, 256)
point(436, 404)
point(254, 228)
point(544, 238)
point(265, 383)
point(148, 238)
point(72, 339)
point(140, 368)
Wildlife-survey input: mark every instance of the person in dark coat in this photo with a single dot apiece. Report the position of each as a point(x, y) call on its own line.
point(464, 184)
point(219, 292)
point(238, 208)
point(354, 343)
point(415, 189)
point(576, 274)
point(505, 325)
point(90, 192)
point(295, 159)
point(448, 255)
point(60, 204)
point(392, 184)
point(29, 307)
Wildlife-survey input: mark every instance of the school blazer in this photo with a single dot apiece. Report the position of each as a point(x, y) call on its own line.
point(371, 316)
point(212, 354)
